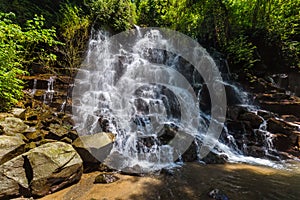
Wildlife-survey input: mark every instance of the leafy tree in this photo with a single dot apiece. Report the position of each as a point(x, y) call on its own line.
point(74, 27)
point(118, 15)
point(20, 48)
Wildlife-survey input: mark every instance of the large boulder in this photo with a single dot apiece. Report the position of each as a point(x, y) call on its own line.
point(94, 148)
point(10, 147)
point(13, 180)
point(53, 165)
point(40, 171)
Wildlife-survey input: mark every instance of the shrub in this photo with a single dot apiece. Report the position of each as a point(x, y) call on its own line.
point(240, 53)
point(74, 27)
point(119, 15)
point(20, 48)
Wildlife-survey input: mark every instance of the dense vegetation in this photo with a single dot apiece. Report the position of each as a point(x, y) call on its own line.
point(251, 34)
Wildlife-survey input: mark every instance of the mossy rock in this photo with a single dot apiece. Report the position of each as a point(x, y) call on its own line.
point(106, 178)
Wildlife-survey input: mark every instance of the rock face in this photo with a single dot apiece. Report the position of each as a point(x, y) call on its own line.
point(98, 145)
point(10, 147)
point(275, 99)
point(40, 171)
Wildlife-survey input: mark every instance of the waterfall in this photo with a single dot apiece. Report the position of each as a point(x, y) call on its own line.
point(139, 96)
point(49, 93)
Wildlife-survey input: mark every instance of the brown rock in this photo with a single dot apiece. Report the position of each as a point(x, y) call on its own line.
point(106, 178)
point(254, 119)
point(278, 126)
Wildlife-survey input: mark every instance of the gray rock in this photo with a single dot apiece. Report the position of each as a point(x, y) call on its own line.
point(13, 126)
point(19, 112)
point(13, 178)
point(94, 148)
point(10, 147)
point(54, 165)
point(40, 171)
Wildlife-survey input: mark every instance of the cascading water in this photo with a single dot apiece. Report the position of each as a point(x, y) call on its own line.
point(150, 117)
point(48, 96)
point(33, 91)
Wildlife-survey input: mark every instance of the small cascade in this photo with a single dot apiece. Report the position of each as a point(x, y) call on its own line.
point(49, 93)
point(33, 91)
point(63, 105)
point(112, 93)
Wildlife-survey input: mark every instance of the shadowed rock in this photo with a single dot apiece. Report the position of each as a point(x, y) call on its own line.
point(40, 171)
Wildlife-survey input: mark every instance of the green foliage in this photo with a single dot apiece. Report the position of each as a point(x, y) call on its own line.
point(240, 52)
point(273, 24)
point(26, 9)
point(19, 48)
point(116, 14)
point(234, 27)
point(178, 15)
point(74, 27)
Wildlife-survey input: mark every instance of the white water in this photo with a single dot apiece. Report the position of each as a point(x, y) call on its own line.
point(109, 88)
point(33, 91)
point(49, 93)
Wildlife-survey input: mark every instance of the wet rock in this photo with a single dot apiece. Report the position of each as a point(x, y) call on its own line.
point(10, 147)
point(255, 151)
point(233, 112)
point(40, 171)
point(13, 126)
point(98, 145)
point(191, 153)
point(265, 114)
point(236, 127)
point(217, 194)
point(167, 134)
point(106, 178)
point(279, 126)
point(290, 118)
point(288, 143)
point(214, 158)
point(291, 108)
point(254, 119)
